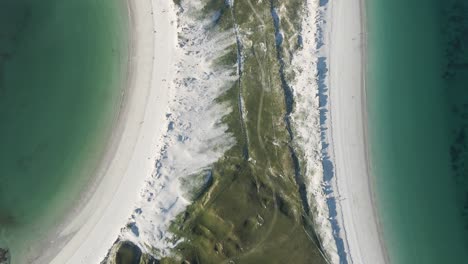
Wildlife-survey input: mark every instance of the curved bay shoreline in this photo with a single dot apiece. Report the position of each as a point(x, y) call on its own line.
point(94, 224)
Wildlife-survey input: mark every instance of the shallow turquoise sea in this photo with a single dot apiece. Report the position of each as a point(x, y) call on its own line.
point(418, 116)
point(61, 76)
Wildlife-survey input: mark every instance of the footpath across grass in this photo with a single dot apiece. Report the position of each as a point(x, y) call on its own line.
point(252, 211)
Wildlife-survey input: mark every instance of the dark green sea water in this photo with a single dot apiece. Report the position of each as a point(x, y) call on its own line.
point(418, 104)
point(61, 65)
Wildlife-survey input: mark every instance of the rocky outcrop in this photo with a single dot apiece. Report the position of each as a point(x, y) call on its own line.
point(125, 252)
point(4, 256)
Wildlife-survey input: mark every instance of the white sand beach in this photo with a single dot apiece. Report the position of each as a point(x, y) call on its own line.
point(195, 138)
point(353, 181)
point(92, 227)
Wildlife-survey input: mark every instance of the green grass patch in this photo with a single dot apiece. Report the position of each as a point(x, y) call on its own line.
point(252, 211)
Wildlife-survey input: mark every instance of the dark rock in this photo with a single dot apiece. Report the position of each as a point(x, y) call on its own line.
point(128, 253)
point(5, 257)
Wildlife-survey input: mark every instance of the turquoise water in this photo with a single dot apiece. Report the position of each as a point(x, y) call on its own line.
point(418, 107)
point(61, 65)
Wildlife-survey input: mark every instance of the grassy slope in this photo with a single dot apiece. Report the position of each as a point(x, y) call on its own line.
point(252, 213)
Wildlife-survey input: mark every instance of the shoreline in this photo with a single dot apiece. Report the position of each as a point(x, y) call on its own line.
point(333, 138)
point(79, 141)
point(195, 137)
point(93, 225)
point(348, 124)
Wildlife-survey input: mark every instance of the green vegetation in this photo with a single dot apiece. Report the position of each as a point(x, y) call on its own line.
point(252, 212)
